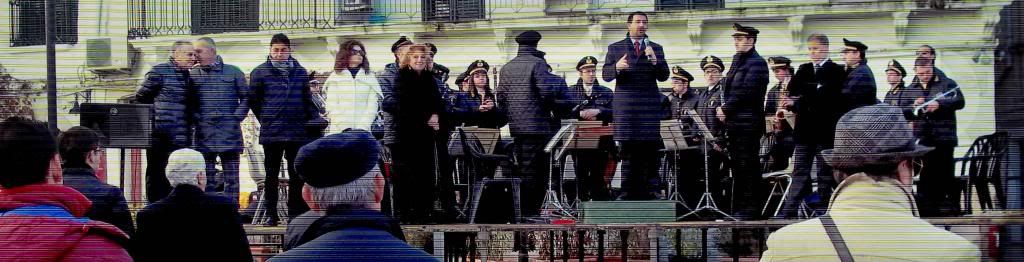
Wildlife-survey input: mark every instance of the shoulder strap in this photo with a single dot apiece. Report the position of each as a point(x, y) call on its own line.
point(837, 239)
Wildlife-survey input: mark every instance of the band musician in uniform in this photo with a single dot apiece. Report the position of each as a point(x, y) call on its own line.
point(685, 98)
point(591, 102)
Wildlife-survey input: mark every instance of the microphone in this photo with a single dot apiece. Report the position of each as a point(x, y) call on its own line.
point(585, 102)
point(647, 43)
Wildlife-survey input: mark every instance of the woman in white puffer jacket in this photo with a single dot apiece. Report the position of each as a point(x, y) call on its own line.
point(351, 93)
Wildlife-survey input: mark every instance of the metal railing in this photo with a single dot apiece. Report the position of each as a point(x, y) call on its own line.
point(148, 18)
point(28, 22)
point(677, 241)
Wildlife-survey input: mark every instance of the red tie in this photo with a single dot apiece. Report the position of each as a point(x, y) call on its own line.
point(636, 48)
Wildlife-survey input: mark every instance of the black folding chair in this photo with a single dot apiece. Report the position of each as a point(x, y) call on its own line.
point(980, 167)
point(479, 164)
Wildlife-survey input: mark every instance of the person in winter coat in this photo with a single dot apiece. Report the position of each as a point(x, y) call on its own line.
point(710, 100)
point(682, 97)
point(588, 100)
point(345, 223)
point(935, 125)
point(79, 148)
point(281, 100)
point(859, 87)
point(818, 102)
point(417, 110)
point(742, 112)
point(223, 96)
point(475, 104)
point(529, 101)
point(352, 93)
point(168, 88)
point(894, 74)
point(637, 65)
point(689, 164)
point(204, 226)
point(43, 222)
point(872, 215)
point(384, 126)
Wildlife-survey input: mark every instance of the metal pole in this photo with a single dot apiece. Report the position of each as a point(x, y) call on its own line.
point(51, 66)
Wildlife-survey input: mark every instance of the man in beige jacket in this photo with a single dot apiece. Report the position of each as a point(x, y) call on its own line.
point(872, 216)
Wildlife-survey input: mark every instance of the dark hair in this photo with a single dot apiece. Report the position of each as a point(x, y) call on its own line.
point(820, 38)
point(345, 51)
point(629, 19)
point(433, 49)
point(26, 148)
point(280, 38)
point(930, 49)
point(923, 61)
point(472, 89)
point(76, 143)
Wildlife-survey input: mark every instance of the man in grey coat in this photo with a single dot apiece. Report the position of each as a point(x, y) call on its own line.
point(223, 102)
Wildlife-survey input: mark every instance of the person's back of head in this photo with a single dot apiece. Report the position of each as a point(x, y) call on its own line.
point(26, 148)
point(76, 146)
point(349, 223)
point(328, 187)
point(186, 167)
point(875, 140)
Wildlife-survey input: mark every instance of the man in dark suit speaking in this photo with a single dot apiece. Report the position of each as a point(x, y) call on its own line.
point(637, 65)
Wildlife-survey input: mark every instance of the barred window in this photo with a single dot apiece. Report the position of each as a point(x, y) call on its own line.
point(28, 22)
point(452, 10)
point(689, 4)
point(222, 16)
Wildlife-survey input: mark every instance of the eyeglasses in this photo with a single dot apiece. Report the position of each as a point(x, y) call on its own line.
point(355, 51)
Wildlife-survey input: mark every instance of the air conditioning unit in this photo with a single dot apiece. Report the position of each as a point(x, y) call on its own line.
point(103, 54)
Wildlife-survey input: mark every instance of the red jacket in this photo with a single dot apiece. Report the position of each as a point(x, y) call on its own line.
point(47, 223)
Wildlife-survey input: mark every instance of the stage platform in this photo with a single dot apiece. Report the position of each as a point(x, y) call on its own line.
point(672, 241)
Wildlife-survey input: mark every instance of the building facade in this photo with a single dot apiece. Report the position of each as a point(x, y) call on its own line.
point(105, 47)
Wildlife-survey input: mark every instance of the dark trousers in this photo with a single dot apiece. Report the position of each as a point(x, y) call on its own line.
point(273, 153)
point(746, 172)
point(640, 162)
point(590, 166)
point(416, 179)
point(226, 181)
point(689, 166)
point(157, 185)
point(938, 191)
point(534, 166)
point(807, 162)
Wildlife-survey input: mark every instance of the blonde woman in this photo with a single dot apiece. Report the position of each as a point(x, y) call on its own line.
point(417, 108)
point(351, 93)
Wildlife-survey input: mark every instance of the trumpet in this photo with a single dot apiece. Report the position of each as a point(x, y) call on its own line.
point(919, 110)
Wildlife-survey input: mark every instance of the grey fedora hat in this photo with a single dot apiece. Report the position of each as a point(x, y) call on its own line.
point(871, 136)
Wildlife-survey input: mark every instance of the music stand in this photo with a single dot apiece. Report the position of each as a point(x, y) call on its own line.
point(551, 199)
point(674, 137)
point(586, 135)
point(707, 201)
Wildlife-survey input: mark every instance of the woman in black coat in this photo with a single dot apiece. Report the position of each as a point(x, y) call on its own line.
point(417, 108)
